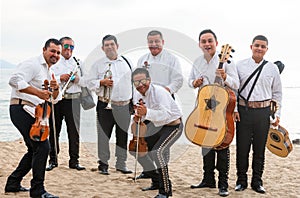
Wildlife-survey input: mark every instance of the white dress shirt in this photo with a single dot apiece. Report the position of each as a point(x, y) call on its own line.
point(31, 72)
point(161, 107)
point(164, 70)
point(65, 66)
point(121, 76)
point(207, 70)
point(268, 85)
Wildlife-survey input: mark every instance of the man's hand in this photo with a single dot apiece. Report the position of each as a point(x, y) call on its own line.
point(64, 77)
point(221, 73)
point(107, 82)
point(236, 116)
point(141, 110)
point(198, 82)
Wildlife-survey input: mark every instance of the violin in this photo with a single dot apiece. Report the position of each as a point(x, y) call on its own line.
point(138, 143)
point(40, 128)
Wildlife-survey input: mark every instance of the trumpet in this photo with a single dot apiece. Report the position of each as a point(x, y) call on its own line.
point(107, 90)
point(73, 73)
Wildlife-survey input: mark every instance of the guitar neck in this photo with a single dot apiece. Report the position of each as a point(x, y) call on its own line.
point(218, 79)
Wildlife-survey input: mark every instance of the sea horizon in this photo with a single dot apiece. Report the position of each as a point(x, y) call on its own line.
point(185, 97)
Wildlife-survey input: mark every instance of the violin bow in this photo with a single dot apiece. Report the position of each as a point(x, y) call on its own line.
point(53, 123)
point(137, 147)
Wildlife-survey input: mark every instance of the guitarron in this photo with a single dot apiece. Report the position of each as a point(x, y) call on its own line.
point(211, 123)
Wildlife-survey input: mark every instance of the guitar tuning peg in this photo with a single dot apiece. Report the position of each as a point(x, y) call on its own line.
point(232, 50)
point(220, 55)
point(230, 56)
point(228, 61)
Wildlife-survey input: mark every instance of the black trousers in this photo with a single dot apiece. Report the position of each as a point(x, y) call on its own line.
point(222, 165)
point(118, 117)
point(159, 141)
point(251, 130)
point(68, 110)
point(34, 159)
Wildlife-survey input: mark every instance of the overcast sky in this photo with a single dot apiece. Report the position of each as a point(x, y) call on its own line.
point(27, 24)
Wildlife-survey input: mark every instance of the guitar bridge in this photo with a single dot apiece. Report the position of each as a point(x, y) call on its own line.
point(276, 147)
point(205, 127)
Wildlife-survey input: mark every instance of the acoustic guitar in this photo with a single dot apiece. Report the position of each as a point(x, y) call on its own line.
point(211, 123)
point(278, 141)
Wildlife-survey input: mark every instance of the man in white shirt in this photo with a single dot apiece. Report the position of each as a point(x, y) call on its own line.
point(164, 126)
point(68, 108)
point(204, 72)
point(27, 91)
point(253, 116)
point(164, 67)
point(110, 78)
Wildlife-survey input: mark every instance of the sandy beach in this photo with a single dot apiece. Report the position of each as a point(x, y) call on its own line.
point(281, 176)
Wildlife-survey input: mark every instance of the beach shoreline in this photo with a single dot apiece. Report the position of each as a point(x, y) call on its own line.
point(281, 175)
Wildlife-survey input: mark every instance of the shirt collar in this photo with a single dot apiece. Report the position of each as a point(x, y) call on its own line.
point(158, 55)
point(42, 61)
point(253, 61)
point(147, 93)
point(107, 60)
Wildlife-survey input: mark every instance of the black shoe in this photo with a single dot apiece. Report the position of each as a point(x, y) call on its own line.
point(124, 170)
point(223, 192)
point(160, 196)
point(152, 187)
point(51, 166)
point(259, 189)
point(240, 187)
point(143, 176)
point(203, 184)
point(77, 167)
point(20, 189)
point(103, 170)
point(45, 195)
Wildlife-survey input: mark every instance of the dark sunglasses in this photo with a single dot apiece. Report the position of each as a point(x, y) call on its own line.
point(143, 81)
point(66, 46)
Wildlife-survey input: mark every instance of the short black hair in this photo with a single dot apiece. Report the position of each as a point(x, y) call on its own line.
point(51, 40)
point(261, 38)
point(155, 32)
point(140, 70)
point(207, 31)
point(108, 38)
point(61, 40)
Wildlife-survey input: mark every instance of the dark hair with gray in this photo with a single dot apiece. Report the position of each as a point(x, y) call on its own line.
point(140, 71)
point(207, 31)
point(261, 38)
point(108, 38)
point(52, 40)
point(155, 32)
point(61, 40)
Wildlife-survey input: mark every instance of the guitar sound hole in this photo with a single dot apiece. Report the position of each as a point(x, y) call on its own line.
point(275, 137)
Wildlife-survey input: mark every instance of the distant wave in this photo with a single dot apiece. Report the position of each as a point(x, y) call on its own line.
point(292, 87)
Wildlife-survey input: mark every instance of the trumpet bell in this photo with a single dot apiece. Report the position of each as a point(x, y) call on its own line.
point(107, 90)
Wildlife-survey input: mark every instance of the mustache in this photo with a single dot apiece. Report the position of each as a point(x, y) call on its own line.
point(155, 47)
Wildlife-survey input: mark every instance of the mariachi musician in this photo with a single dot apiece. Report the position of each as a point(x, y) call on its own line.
point(164, 126)
point(253, 114)
point(26, 94)
point(204, 71)
point(110, 78)
point(68, 74)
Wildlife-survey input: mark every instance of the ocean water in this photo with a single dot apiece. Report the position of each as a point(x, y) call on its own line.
point(185, 97)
